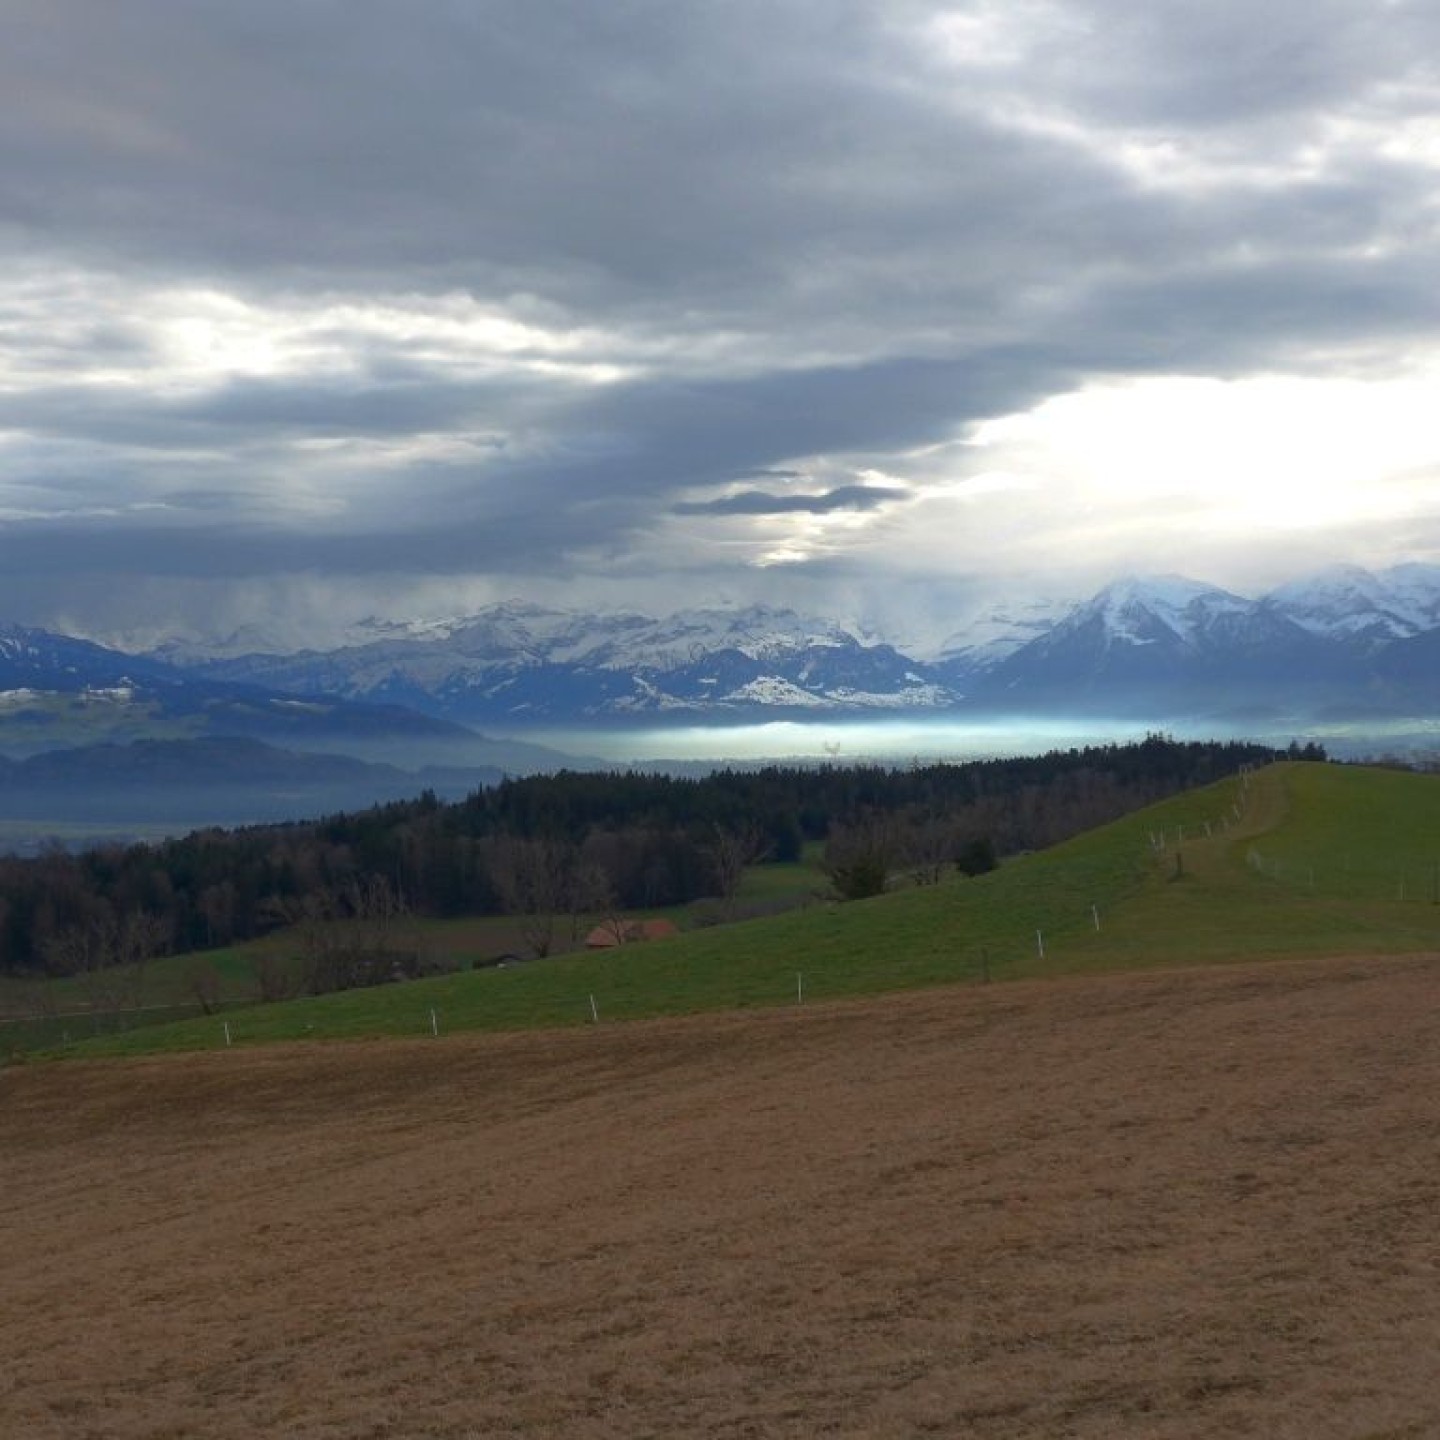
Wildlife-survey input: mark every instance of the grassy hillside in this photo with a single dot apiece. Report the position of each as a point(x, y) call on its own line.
point(228, 974)
point(1298, 859)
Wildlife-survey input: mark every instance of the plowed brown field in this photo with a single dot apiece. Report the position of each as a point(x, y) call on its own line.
point(1192, 1204)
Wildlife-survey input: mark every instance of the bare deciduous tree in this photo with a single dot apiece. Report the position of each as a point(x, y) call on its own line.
point(108, 954)
point(535, 881)
point(928, 846)
point(356, 935)
point(204, 982)
point(731, 850)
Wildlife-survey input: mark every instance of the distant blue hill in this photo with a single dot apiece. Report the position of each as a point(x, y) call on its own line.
point(218, 780)
point(60, 693)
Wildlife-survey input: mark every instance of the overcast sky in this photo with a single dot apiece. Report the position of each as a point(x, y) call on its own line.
point(313, 309)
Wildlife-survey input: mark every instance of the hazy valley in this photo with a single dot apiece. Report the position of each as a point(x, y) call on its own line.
point(194, 733)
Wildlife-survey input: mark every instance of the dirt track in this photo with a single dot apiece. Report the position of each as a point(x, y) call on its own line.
point(1201, 1204)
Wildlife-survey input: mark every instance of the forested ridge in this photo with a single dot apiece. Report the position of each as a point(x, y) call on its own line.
point(578, 843)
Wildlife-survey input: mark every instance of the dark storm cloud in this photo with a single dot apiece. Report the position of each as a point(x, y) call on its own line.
point(252, 410)
point(762, 502)
point(742, 243)
point(620, 157)
point(278, 407)
point(580, 145)
point(611, 461)
point(1223, 65)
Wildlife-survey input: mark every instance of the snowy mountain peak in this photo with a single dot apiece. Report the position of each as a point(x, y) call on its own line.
point(521, 662)
point(524, 631)
point(996, 632)
point(1139, 610)
point(754, 630)
point(1167, 593)
point(1350, 603)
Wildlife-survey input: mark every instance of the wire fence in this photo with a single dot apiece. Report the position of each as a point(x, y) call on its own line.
point(1404, 879)
point(1040, 939)
point(1036, 940)
point(25, 1034)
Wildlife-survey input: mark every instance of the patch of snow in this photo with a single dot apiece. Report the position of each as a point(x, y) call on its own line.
point(993, 634)
point(914, 697)
point(1347, 602)
point(1130, 610)
point(775, 690)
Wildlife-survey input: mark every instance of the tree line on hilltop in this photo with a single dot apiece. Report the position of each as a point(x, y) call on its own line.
point(572, 844)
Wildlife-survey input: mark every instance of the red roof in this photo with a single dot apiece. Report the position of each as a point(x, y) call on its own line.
point(610, 933)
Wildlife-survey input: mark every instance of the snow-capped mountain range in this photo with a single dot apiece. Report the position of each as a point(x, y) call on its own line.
point(519, 662)
point(93, 732)
point(59, 692)
point(1352, 604)
point(1161, 646)
point(1346, 642)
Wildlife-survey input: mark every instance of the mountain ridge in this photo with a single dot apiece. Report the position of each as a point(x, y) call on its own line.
point(1147, 646)
point(60, 692)
point(1138, 641)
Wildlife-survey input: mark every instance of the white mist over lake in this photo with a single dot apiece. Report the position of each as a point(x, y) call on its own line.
point(848, 741)
point(899, 740)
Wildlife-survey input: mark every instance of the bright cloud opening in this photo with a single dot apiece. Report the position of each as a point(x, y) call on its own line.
point(1276, 452)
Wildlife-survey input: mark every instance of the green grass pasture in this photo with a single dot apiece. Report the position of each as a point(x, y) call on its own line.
point(1294, 860)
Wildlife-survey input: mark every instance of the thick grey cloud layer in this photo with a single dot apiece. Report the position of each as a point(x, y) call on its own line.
point(506, 292)
point(763, 502)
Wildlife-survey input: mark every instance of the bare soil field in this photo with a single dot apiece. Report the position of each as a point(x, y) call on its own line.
point(1202, 1203)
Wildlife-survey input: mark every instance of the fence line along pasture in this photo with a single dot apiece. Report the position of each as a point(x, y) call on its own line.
point(21, 1034)
point(555, 1008)
point(623, 995)
point(1411, 881)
